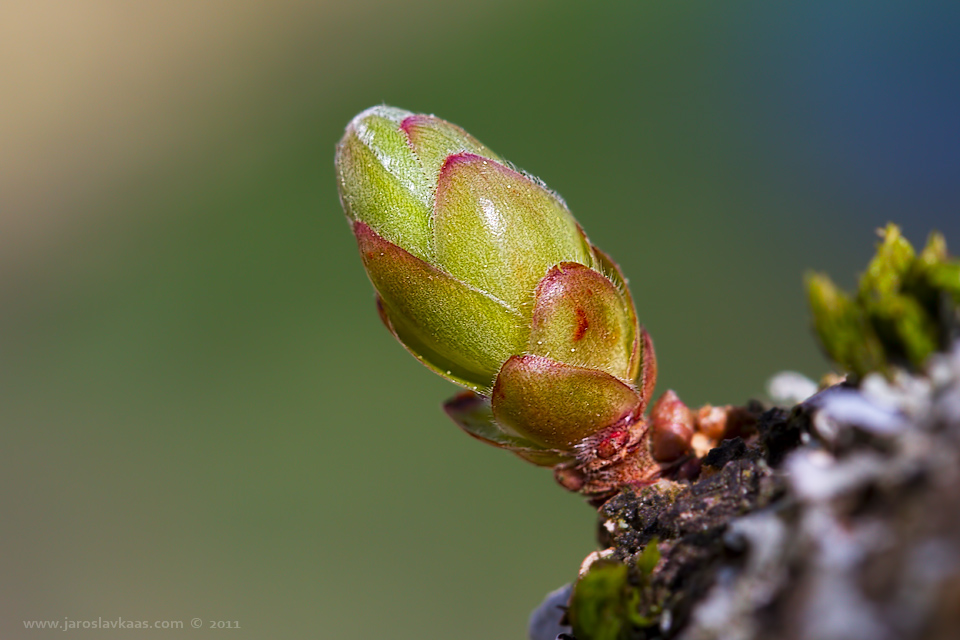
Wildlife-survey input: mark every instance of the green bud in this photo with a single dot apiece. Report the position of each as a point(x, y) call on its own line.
point(484, 275)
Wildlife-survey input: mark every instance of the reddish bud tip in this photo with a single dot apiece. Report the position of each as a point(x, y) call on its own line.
point(671, 428)
point(669, 408)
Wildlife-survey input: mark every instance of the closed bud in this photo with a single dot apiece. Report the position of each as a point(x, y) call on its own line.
point(484, 275)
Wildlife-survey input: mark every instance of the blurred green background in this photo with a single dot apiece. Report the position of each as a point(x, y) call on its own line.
point(201, 415)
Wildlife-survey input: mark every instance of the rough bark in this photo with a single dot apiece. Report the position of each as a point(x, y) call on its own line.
point(836, 520)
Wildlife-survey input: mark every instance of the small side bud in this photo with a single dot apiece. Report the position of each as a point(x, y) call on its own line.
point(671, 425)
point(721, 423)
point(712, 422)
